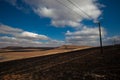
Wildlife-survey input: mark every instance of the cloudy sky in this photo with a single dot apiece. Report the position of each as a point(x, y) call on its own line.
point(51, 23)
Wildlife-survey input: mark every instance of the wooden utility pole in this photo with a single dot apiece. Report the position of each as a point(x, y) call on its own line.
point(100, 35)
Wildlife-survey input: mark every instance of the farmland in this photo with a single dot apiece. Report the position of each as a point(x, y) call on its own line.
point(13, 53)
point(86, 64)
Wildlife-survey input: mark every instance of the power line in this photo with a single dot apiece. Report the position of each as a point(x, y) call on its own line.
point(68, 7)
point(79, 8)
point(99, 25)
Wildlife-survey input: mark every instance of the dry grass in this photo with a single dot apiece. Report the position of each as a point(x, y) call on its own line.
point(7, 54)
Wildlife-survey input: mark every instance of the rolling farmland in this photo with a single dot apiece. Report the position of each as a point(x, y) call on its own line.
point(13, 53)
point(86, 64)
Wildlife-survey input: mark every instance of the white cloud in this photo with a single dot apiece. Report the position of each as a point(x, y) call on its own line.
point(18, 37)
point(4, 29)
point(30, 35)
point(64, 22)
point(62, 16)
point(85, 36)
point(15, 32)
point(46, 12)
point(13, 41)
point(86, 31)
point(112, 40)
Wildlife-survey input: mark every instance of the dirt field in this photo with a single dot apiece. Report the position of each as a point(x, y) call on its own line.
point(13, 54)
point(87, 64)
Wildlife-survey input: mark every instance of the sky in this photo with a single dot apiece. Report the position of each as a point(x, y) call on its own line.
point(51, 23)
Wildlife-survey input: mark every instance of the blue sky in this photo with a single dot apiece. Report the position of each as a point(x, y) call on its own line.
point(49, 23)
point(111, 17)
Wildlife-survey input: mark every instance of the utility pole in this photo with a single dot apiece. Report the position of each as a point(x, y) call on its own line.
point(100, 35)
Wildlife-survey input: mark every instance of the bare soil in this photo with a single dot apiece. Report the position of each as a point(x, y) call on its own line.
point(86, 64)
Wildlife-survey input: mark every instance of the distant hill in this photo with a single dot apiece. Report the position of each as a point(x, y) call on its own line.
point(19, 47)
point(71, 46)
point(23, 49)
